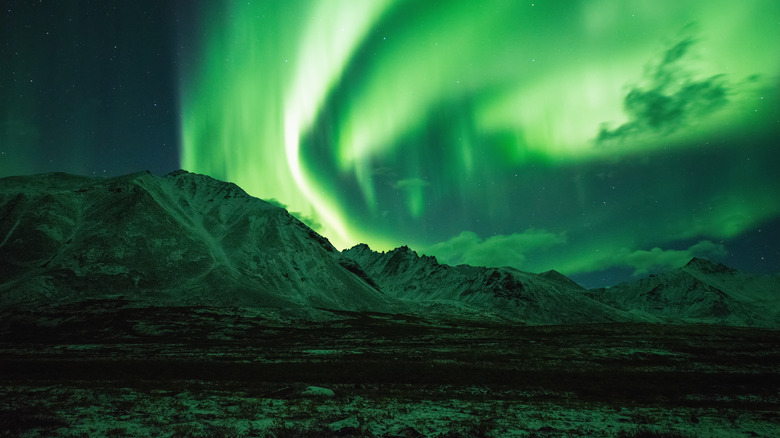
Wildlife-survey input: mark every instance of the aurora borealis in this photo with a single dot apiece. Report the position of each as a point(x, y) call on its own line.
point(602, 139)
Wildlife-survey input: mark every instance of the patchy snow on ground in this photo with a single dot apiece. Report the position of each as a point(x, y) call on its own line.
point(81, 411)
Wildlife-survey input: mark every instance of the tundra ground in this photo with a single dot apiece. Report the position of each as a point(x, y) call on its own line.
point(107, 368)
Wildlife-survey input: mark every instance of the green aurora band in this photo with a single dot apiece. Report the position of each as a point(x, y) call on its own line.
point(556, 134)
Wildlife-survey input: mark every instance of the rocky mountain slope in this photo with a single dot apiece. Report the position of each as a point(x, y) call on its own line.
point(701, 291)
point(422, 282)
point(181, 239)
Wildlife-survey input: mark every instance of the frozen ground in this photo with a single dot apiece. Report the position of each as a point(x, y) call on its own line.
point(84, 409)
point(103, 368)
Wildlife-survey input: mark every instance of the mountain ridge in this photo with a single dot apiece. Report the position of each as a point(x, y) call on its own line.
point(502, 292)
point(701, 291)
point(186, 238)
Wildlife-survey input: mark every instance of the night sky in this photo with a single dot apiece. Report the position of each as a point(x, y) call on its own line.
point(604, 139)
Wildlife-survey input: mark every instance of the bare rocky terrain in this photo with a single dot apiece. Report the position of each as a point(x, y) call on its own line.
point(109, 369)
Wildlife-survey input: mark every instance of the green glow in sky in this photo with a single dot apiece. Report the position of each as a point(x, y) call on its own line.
point(539, 135)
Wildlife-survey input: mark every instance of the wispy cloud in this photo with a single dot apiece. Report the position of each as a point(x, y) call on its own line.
point(644, 261)
point(535, 249)
point(310, 221)
point(499, 250)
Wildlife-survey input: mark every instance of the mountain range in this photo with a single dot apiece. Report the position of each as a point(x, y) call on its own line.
point(186, 239)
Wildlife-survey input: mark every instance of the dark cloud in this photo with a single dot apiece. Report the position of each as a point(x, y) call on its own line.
point(670, 98)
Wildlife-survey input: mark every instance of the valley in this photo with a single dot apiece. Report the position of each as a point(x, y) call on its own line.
point(105, 367)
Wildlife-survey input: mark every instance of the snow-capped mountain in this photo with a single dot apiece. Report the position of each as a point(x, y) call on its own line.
point(422, 282)
point(175, 240)
point(188, 239)
point(701, 291)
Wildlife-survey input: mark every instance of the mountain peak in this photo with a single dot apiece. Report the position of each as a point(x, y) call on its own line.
point(360, 247)
point(197, 184)
point(556, 276)
point(705, 266)
point(183, 238)
point(404, 250)
point(177, 172)
point(698, 261)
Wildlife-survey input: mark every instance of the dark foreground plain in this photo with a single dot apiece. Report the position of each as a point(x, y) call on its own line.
point(105, 368)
